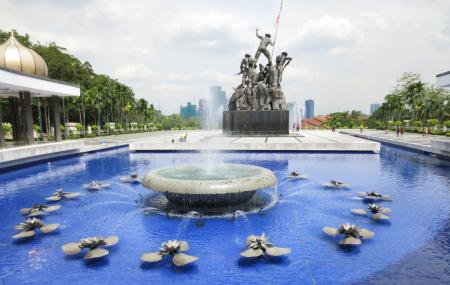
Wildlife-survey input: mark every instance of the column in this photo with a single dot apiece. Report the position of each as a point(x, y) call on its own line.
point(2, 135)
point(14, 116)
point(56, 118)
point(27, 118)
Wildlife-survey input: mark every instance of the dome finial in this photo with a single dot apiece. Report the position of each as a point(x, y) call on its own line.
point(21, 58)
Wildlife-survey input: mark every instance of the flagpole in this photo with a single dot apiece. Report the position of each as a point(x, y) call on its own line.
point(276, 27)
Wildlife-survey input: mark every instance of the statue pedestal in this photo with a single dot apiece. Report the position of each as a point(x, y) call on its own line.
point(256, 122)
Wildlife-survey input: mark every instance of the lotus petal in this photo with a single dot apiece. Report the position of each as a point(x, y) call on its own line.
point(359, 211)
point(277, 251)
point(330, 231)
point(72, 195)
point(350, 241)
point(49, 228)
point(184, 246)
point(361, 194)
point(53, 198)
point(251, 239)
point(252, 252)
point(35, 214)
point(25, 211)
point(24, 234)
point(71, 248)
point(181, 259)
point(112, 240)
point(151, 257)
point(18, 227)
point(298, 177)
point(387, 197)
point(380, 216)
point(52, 208)
point(366, 233)
point(384, 210)
point(96, 253)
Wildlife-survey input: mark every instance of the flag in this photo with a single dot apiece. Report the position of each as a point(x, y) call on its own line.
point(279, 14)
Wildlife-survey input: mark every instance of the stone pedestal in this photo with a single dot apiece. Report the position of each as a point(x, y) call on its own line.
point(256, 122)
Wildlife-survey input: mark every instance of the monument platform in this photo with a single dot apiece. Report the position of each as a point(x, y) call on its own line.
point(215, 140)
point(256, 122)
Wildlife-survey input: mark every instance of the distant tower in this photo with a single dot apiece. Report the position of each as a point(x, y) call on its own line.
point(217, 104)
point(374, 107)
point(309, 109)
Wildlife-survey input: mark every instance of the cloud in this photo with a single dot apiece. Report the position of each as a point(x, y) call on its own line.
point(212, 32)
point(327, 33)
point(300, 73)
point(133, 71)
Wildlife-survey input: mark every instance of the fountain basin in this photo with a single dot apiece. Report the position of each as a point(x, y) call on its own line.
point(204, 185)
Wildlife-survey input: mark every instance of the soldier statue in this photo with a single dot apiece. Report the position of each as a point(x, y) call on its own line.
point(281, 62)
point(260, 89)
point(244, 68)
point(263, 44)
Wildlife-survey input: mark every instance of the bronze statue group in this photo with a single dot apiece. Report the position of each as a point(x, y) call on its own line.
point(260, 90)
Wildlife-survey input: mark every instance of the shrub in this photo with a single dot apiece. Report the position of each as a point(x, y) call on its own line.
point(432, 122)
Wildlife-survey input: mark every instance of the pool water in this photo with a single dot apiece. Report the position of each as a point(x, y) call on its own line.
point(418, 230)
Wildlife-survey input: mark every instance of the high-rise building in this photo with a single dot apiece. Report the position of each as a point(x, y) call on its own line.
point(217, 104)
point(374, 107)
point(294, 114)
point(309, 109)
point(189, 111)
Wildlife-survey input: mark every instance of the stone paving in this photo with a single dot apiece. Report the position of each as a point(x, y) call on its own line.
point(198, 140)
point(306, 140)
point(430, 143)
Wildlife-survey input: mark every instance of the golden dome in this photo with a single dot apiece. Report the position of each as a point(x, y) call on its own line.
point(15, 56)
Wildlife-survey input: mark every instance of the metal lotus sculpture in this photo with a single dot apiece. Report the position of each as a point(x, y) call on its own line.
point(296, 175)
point(133, 179)
point(38, 210)
point(377, 212)
point(96, 185)
point(260, 245)
point(93, 244)
point(61, 194)
point(374, 196)
point(173, 248)
point(27, 228)
point(336, 184)
point(352, 234)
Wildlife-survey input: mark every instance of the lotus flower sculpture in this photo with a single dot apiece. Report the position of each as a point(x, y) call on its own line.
point(93, 244)
point(374, 196)
point(133, 179)
point(258, 245)
point(296, 175)
point(38, 210)
point(96, 185)
point(172, 247)
point(27, 228)
point(352, 234)
point(61, 194)
point(377, 212)
point(336, 184)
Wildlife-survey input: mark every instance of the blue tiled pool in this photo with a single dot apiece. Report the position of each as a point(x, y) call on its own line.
point(412, 248)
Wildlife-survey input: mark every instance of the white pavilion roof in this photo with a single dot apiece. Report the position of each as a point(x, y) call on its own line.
point(11, 82)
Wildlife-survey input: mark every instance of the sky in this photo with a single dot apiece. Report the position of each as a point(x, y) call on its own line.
point(346, 54)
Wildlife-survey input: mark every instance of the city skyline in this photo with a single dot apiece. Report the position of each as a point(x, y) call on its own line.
point(357, 48)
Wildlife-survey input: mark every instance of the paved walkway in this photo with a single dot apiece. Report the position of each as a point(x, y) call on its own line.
point(322, 140)
point(432, 144)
